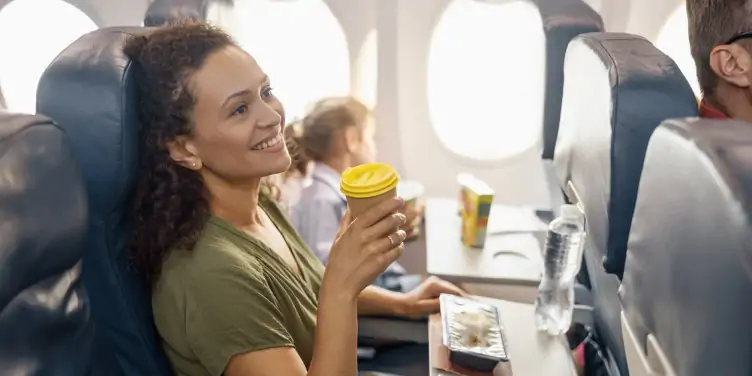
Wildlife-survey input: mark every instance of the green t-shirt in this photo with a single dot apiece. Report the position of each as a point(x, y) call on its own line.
point(231, 294)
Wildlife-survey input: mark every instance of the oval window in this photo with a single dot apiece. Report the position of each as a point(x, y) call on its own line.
point(299, 44)
point(32, 34)
point(486, 78)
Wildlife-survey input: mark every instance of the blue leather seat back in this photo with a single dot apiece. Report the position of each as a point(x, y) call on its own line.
point(618, 88)
point(562, 21)
point(604, 156)
point(688, 277)
point(88, 89)
point(45, 327)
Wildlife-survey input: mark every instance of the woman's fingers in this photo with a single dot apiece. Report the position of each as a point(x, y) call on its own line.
point(386, 226)
point(392, 254)
point(378, 212)
point(392, 241)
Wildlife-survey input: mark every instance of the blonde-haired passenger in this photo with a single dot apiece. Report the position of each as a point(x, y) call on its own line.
point(337, 134)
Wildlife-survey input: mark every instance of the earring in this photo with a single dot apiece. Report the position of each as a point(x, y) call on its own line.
point(194, 164)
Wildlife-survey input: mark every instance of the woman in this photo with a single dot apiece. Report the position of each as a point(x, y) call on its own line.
point(235, 290)
point(337, 134)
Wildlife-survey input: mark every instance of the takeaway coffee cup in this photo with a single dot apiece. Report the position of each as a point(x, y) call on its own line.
point(367, 185)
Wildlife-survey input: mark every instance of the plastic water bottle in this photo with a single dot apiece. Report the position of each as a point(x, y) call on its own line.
point(561, 259)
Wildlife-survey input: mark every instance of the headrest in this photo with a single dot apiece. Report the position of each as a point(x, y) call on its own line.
point(161, 12)
point(90, 92)
point(618, 88)
point(44, 310)
point(562, 20)
point(688, 274)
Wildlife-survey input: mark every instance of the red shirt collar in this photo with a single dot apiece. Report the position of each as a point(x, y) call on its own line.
point(710, 112)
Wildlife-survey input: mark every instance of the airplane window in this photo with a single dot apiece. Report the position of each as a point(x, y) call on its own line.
point(299, 44)
point(486, 78)
point(673, 40)
point(367, 72)
point(30, 39)
point(223, 15)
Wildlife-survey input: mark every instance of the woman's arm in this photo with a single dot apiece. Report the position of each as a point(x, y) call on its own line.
point(361, 251)
point(377, 301)
point(423, 301)
point(334, 351)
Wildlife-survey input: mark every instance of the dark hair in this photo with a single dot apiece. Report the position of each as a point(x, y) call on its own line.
point(170, 205)
point(712, 23)
point(312, 138)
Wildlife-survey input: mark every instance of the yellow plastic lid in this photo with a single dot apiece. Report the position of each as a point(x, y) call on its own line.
point(368, 180)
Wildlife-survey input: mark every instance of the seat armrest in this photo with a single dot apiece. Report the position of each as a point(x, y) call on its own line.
point(583, 314)
point(393, 329)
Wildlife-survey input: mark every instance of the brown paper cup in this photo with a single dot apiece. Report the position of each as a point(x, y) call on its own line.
point(359, 206)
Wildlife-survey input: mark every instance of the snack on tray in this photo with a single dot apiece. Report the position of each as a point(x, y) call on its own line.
point(475, 206)
point(476, 325)
point(472, 333)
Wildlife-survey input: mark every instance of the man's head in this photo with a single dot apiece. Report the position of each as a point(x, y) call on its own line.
point(720, 47)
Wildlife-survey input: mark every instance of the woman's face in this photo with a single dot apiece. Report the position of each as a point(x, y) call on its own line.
point(237, 121)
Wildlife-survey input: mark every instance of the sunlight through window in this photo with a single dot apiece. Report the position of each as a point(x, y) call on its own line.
point(486, 78)
point(673, 40)
point(32, 34)
point(299, 44)
point(367, 72)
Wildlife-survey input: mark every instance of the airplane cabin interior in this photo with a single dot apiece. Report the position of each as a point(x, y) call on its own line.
point(575, 200)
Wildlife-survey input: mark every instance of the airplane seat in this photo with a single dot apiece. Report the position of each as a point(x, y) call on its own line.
point(562, 21)
point(160, 12)
point(45, 327)
point(688, 277)
point(617, 89)
point(88, 89)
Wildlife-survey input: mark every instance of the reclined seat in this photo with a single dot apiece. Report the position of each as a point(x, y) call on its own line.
point(688, 275)
point(45, 328)
point(617, 90)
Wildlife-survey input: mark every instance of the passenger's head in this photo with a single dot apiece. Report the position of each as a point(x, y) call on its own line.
point(339, 129)
point(209, 122)
point(720, 35)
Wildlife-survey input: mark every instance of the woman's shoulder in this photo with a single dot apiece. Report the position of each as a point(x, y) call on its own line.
point(215, 252)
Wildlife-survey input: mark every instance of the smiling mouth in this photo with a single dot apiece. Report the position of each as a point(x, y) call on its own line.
point(268, 143)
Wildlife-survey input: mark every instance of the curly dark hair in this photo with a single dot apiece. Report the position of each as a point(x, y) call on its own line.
point(170, 204)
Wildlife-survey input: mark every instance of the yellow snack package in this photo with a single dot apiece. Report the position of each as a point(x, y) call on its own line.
point(476, 198)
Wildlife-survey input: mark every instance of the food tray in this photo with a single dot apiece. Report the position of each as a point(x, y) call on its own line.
point(472, 333)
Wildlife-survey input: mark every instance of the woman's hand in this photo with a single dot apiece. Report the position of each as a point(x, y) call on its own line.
point(414, 217)
point(424, 300)
point(365, 247)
